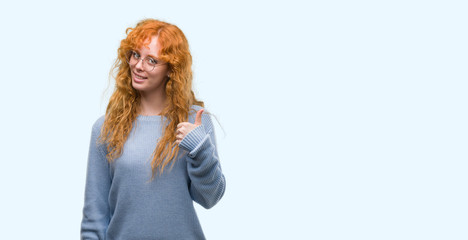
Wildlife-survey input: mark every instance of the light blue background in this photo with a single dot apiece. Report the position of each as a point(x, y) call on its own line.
point(342, 119)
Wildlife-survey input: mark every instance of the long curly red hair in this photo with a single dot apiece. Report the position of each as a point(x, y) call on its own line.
point(124, 104)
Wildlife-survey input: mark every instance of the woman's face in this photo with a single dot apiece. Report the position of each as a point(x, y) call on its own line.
point(143, 78)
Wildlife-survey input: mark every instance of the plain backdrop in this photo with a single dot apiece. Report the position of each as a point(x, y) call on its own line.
point(337, 119)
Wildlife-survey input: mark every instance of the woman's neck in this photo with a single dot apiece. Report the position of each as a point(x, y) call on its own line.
point(152, 104)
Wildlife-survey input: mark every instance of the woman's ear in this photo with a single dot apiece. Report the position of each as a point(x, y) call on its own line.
point(169, 72)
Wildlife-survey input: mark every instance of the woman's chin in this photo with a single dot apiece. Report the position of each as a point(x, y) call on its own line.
point(137, 86)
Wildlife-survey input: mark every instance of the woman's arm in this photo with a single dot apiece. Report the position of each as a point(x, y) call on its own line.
point(96, 213)
point(204, 169)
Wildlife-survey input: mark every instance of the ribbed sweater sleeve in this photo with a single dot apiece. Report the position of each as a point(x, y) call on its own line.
point(96, 213)
point(207, 180)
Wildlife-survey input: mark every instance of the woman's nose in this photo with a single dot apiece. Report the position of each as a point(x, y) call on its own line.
point(139, 65)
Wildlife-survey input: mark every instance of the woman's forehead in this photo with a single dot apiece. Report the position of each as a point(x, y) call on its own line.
point(150, 44)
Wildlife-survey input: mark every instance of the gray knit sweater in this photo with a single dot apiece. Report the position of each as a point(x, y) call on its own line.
point(121, 203)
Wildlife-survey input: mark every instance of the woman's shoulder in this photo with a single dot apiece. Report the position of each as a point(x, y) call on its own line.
point(196, 108)
point(99, 122)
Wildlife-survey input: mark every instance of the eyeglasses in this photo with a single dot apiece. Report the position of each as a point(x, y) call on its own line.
point(149, 63)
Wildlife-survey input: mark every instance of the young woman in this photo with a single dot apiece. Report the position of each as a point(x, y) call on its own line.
point(154, 151)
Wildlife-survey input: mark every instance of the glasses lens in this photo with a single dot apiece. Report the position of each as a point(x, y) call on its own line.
point(148, 64)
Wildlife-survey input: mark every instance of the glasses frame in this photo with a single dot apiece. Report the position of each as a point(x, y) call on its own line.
point(145, 60)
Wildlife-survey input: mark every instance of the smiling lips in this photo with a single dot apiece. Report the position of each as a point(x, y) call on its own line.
point(138, 78)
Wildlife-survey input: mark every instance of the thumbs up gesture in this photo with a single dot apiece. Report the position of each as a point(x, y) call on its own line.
point(184, 128)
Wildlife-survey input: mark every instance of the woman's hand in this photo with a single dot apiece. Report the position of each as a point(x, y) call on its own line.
point(184, 128)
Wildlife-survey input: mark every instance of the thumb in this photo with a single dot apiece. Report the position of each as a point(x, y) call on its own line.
point(198, 117)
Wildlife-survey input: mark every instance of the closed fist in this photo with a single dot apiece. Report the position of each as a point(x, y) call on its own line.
point(184, 128)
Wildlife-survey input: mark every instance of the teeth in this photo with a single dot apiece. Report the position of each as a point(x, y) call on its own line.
point(138, 76)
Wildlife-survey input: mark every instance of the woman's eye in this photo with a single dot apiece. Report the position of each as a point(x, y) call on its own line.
point(136, 55)
point(152, 61)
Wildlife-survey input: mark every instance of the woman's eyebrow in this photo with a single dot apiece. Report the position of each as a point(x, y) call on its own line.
point(149, 55)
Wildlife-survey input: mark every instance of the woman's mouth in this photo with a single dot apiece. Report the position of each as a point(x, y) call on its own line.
point(138, 78)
